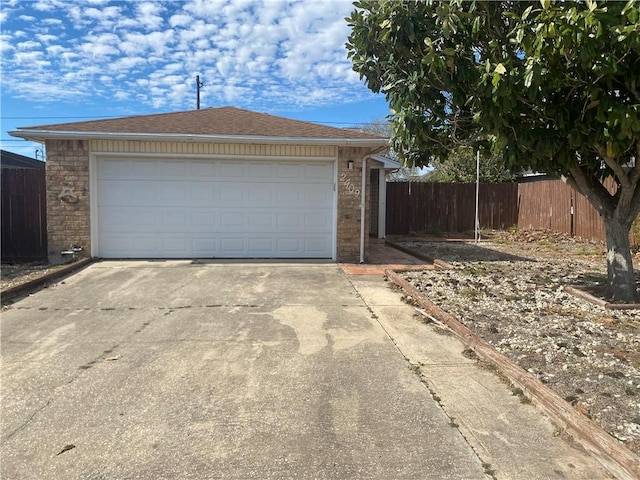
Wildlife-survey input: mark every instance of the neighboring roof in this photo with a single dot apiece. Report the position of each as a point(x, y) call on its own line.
point(14, 160)
point(210, 124)
point(529, 177)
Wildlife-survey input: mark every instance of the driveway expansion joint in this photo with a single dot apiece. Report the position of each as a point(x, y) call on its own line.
point(416, 369)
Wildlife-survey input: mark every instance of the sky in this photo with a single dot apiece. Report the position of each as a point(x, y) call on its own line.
point(65, 61)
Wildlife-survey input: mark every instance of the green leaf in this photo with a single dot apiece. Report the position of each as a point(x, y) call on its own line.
point(593, 104)
point(610, 150)
point(500, 70)
point(545, 4)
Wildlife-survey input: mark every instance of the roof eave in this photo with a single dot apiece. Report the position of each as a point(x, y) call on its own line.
point(42, 135)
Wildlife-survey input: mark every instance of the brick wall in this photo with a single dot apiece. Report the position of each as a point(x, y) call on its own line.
point(68, 208)
point(68, 211)
point(349, 199)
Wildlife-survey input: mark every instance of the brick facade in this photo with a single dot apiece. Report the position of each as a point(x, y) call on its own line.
point(68, 210)
point(349, 200)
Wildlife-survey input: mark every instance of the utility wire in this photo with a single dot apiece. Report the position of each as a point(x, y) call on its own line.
point(110, 116)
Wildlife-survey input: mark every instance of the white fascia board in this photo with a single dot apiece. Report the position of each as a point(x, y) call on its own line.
point(41, 135)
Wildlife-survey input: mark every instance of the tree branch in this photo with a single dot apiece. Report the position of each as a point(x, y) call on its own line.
point(617, 169)
point(597, 194)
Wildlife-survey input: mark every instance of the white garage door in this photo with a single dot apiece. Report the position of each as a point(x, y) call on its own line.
point(157, 208)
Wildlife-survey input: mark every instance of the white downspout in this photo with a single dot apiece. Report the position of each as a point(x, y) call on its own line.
point(382, 203)
point(363, 205)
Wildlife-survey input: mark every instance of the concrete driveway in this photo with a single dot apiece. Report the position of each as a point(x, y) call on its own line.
point(181, 370)
point(187, 370)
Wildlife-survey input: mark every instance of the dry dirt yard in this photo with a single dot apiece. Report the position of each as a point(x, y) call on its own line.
point(12, 275)
point(509, 290)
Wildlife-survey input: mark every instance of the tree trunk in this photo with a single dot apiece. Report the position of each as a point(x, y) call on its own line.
point(621, 280)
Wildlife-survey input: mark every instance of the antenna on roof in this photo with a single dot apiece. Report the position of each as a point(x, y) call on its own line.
point(199, 85)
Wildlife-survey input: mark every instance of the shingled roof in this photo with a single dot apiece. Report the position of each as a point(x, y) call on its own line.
point(15, 160)
point(207, 123)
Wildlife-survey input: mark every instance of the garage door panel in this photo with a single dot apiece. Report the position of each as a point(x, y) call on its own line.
point(205, 221)
point(317, 245)
point(177, 220)
point(260, 220)
point(261, 246)
point(289, 246)
point(167, 208)
point(232, 246)
point(121, 220)
point(174, 193)
point(315, 195)
point(318, 171)
point(205, 246)
point(232, 170)
point(232, 195)
point(176, 246)
point(175, 169)
point(232, 220)
point(262, 195)
point(203, 193)
point(203, 169)
point(316, 220)
point(262, 171)
point(141, 169)
point(115, 194)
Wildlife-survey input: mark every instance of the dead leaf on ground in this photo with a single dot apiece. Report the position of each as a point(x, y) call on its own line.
point(607, 320)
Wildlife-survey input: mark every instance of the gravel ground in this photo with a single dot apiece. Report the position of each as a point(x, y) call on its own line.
point(509, 290)
point(17, 274)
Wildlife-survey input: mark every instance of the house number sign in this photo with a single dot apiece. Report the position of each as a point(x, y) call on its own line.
point(349, 186)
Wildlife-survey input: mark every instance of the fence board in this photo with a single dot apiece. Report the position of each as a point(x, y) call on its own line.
point(24, 215)
point(448, 207)
point(547, 204)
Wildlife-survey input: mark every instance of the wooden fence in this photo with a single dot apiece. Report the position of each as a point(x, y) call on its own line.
point(449, 207)
point(24, 215)
point(553, 205)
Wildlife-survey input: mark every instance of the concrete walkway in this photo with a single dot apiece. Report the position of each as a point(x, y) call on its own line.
point(195, 370)
point(382, 257)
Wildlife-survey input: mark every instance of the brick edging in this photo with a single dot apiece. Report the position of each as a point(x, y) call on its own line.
point(615, 457)
point(580, 293)
point(35, 284)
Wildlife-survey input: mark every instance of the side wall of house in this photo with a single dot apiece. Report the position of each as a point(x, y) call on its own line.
point(68, 210)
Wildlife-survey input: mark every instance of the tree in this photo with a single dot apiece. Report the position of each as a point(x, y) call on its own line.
point(384, 127)
point(460, 165)
point(553, 86)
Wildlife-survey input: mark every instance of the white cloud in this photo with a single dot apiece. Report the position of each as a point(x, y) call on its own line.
point(47, 38)
point(180, 20)
point(250, 52)
point(52, 21)
point(149, 14)
point(28, 45)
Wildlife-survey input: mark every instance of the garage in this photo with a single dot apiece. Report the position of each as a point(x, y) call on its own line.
point(214, 208)
point(210, 183)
